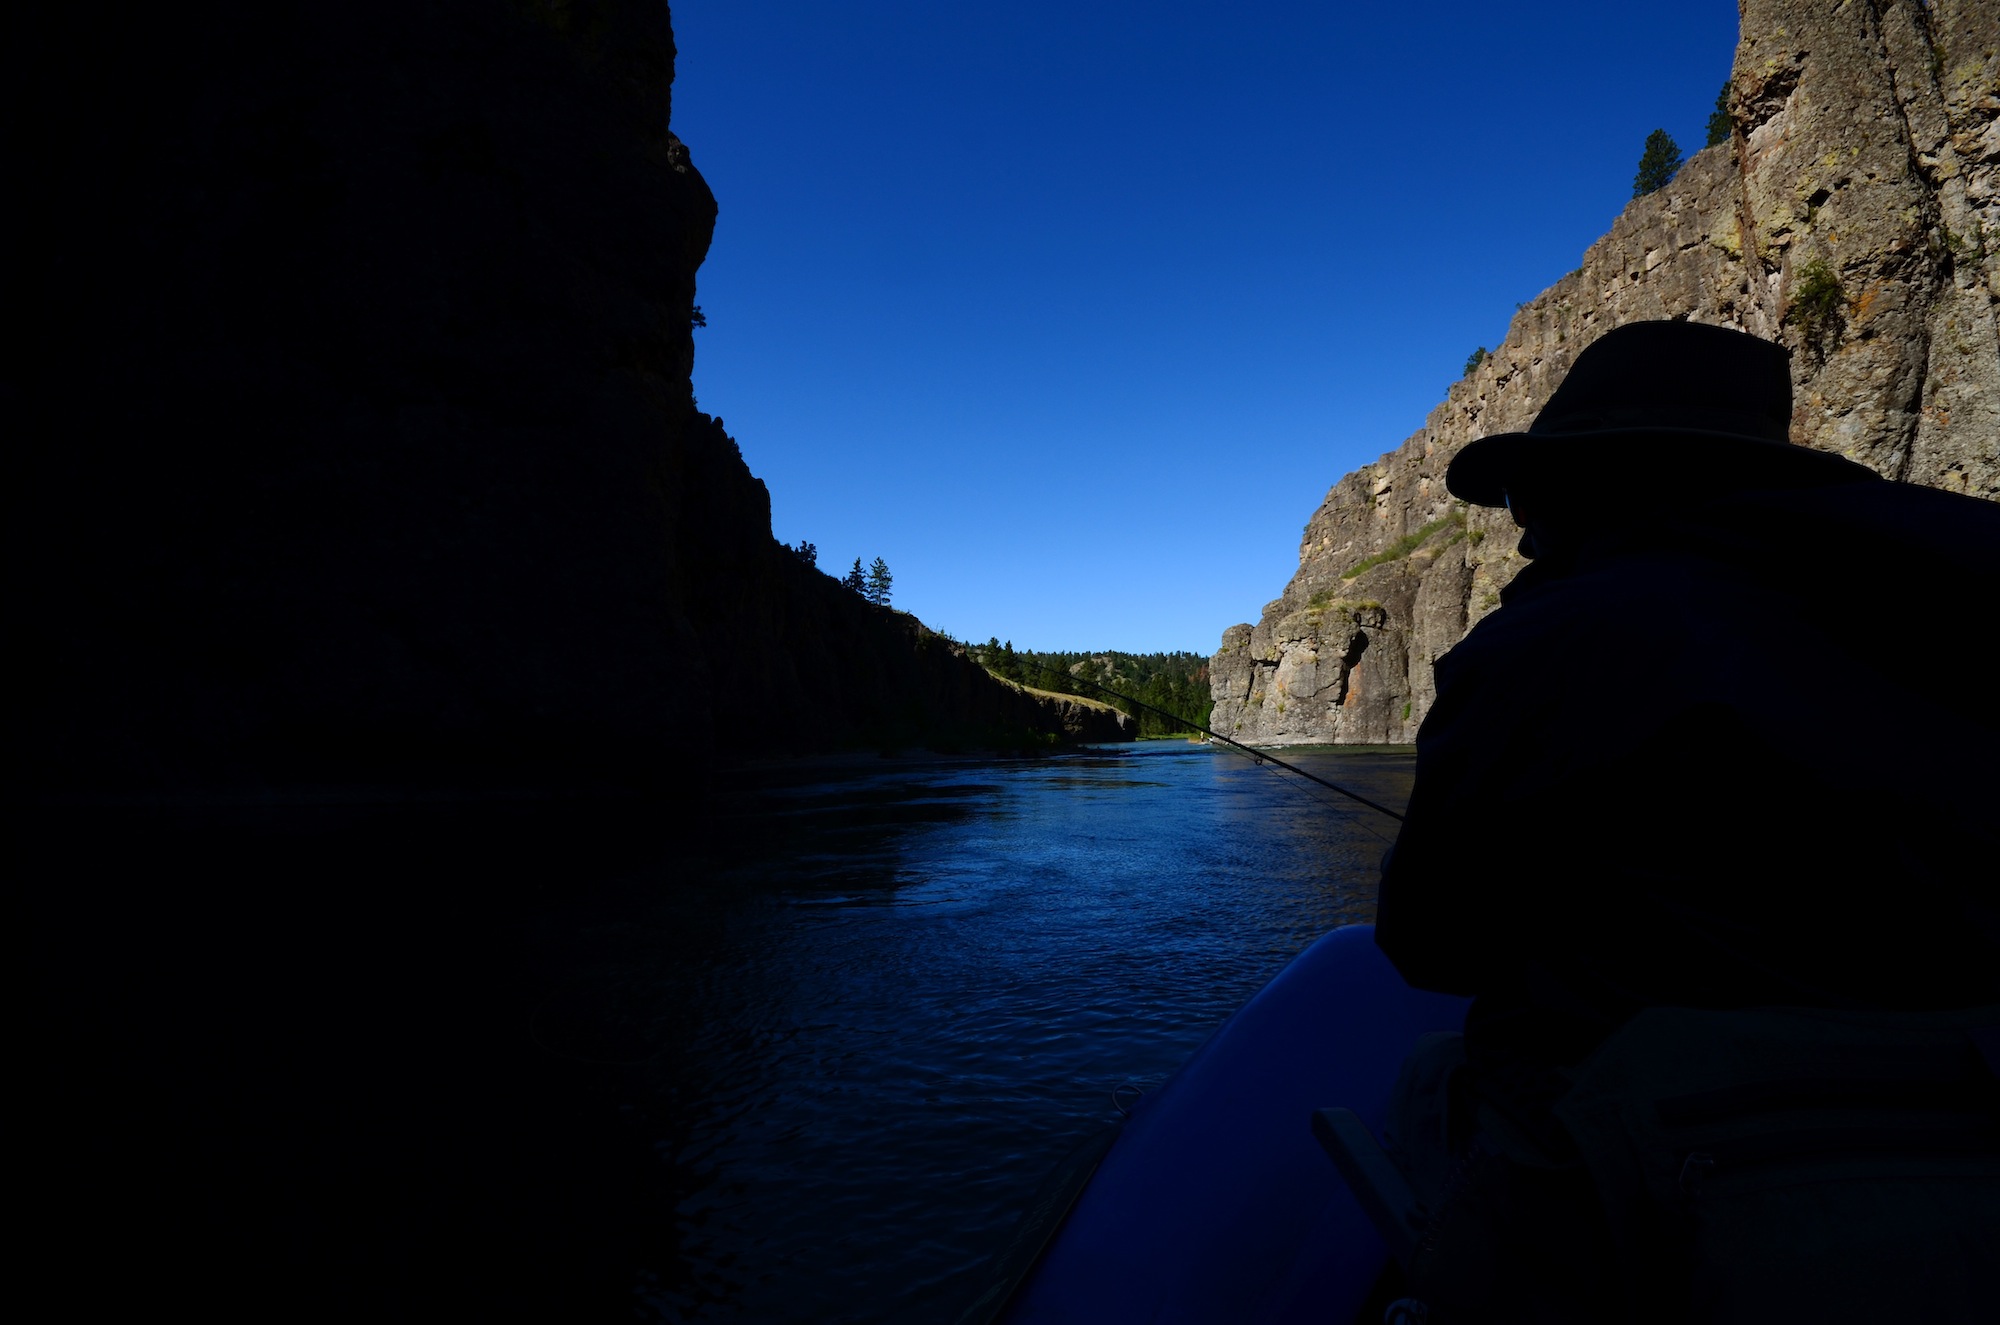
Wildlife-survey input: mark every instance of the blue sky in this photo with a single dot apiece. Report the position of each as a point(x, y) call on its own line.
point(1072, 312)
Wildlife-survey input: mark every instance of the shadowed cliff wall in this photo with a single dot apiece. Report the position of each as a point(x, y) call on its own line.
point(354, 431)
point(354, 453)
point(1865, 139)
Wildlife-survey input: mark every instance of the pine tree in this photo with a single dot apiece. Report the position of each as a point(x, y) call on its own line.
point(854, 579)
point(1657, 165)
point(879, 581)
point(1719, 126)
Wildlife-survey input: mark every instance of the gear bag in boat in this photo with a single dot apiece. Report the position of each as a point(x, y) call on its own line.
point(1798, 1164)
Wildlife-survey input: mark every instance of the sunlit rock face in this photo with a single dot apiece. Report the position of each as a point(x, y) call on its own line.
point(1866, 145)
point(353, 428)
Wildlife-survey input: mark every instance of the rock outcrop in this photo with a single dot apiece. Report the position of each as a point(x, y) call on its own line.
point(1854, 217)
point(353, 424)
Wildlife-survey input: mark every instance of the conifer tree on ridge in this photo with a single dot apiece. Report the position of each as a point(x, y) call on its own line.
point(1658, 164)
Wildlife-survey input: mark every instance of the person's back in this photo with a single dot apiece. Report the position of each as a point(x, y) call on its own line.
point(1726, 745)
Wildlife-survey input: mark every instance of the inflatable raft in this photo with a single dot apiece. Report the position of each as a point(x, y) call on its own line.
point(1213, 1201)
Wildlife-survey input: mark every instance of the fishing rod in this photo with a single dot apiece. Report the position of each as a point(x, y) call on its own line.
point(1258, 755)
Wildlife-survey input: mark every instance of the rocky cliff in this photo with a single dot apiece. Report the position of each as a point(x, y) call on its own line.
point(353, 428)
point(1852, 217)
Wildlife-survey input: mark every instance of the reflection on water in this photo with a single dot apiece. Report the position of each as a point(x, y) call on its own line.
point(862, 1043)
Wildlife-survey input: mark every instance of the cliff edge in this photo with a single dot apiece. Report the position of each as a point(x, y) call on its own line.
point(1852, 217)
point(354, 430)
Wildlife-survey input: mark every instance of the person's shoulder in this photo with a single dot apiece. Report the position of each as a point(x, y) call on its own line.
point(1905, 534)
point(1910, 512)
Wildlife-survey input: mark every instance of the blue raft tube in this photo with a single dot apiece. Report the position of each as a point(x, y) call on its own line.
point(1214, 1201)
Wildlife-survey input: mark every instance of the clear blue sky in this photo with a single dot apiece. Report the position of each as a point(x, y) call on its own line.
point(1072, 311)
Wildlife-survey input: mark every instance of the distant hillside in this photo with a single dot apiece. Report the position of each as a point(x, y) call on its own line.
point(1175, 683)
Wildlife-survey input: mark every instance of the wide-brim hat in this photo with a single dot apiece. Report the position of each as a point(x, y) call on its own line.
point(1654, 402)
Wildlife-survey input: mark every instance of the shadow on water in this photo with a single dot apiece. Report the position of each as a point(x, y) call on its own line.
point(284, 1064)
point(799, 1052)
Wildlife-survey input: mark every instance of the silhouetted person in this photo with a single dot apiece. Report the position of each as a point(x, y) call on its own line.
point(1728, 745)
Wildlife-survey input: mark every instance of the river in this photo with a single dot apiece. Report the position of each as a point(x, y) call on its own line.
point(860, 1045)
point(798, 1047)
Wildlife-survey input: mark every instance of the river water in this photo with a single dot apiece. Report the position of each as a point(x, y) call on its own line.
point(862, 1043)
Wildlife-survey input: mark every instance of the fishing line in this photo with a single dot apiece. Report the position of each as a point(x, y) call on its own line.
point(1258, 755)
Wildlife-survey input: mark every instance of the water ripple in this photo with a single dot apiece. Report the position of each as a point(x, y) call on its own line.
point(874, 1037)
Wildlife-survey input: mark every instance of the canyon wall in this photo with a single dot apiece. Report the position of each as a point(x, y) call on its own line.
point(353, 426)
point(1865, 148)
